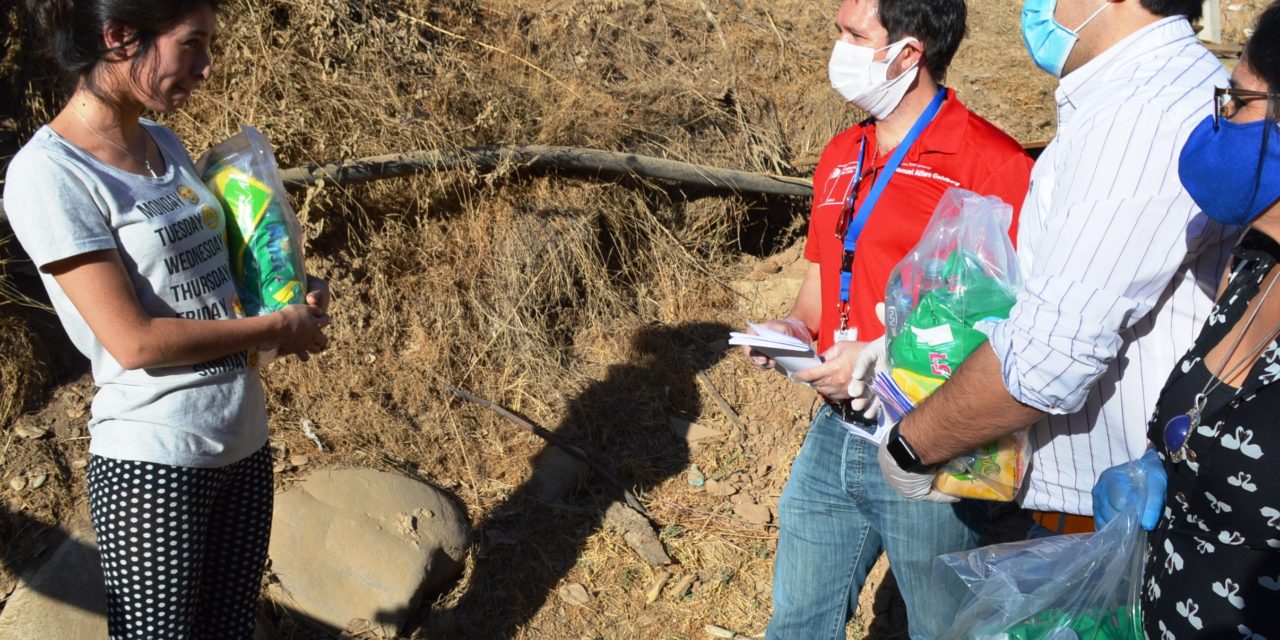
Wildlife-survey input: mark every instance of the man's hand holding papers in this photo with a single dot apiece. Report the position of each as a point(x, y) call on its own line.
point(770, 347)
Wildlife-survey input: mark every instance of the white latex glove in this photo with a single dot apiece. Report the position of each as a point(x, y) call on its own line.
point(870, 362)
point(912, 486)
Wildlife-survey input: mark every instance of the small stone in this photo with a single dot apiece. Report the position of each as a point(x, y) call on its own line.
point(762, 469)
point(281, 467)
point(695, 477)
point(17, 483)
point(645, 620)
point(659, 581)
point(753, 513)
point(79, 464)
point(575, 594)
point(558, 473)
point(681, 588)
point(38, 480)
point(718, 632)
point(30, 432)
point(299, 460)
point(721, 489)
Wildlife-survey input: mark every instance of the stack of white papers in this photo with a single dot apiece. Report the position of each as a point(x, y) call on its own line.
point(791, 354)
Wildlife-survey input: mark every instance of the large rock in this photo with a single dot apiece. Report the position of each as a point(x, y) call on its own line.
point(363, 544)
point(62, 598)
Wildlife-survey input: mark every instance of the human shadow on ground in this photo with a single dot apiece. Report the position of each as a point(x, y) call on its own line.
point(525, 546)
point(26, 544)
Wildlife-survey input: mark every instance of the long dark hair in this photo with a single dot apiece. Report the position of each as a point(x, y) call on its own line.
point(1262, 54)
point(72, 29)
point(1263, 51)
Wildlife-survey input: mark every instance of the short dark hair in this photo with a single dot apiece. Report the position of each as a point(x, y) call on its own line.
point(72, 29)
point(1192, 9)
point(939, 25)
point(1262, 53)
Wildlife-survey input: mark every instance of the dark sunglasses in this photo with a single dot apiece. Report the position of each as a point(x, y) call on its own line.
point(1227, 101)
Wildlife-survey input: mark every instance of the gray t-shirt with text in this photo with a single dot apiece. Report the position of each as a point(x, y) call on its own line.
point(170, 234)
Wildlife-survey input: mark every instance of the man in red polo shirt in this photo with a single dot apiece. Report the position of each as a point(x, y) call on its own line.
point(875, 190)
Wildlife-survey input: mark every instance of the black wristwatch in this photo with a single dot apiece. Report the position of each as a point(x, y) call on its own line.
point(904, 454)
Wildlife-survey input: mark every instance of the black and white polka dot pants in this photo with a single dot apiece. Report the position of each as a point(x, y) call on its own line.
point(183, 549)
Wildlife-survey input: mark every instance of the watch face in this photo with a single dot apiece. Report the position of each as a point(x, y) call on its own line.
point(902, 453)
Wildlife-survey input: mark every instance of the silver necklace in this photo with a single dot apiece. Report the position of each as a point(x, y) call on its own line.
point(145, 160)
point(1177, 432)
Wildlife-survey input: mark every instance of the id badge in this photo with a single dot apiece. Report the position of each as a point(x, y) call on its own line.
point(847, 335)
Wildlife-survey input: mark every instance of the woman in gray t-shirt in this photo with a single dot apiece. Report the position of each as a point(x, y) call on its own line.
point(131, 247)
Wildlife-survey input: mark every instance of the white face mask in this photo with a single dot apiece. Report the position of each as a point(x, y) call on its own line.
point(862, 80)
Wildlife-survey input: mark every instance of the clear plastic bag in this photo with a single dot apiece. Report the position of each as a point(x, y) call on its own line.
point(1076, 587)
point(960, 277)
point(264, 236)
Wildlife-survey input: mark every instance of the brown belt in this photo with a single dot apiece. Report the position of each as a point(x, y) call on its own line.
point(1064, 523)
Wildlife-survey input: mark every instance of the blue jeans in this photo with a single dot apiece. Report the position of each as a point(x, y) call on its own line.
point(836, 515)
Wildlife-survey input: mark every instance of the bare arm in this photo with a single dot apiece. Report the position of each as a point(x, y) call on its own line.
point(808, 304)
point(971, 409)
point(99, 287)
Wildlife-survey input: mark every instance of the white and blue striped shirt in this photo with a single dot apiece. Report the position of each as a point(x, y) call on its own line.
point(1120, 266)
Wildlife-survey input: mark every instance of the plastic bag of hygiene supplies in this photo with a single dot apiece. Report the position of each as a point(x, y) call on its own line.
point(1077, 587)
point(264, 237)
point(962, 274)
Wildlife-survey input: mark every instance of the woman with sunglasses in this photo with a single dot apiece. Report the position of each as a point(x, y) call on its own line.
point(1212, 498)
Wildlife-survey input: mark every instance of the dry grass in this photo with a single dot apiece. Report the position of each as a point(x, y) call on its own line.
point(586, 307)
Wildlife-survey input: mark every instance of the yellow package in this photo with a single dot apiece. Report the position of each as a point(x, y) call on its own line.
point(915, 386)
point(992, 472)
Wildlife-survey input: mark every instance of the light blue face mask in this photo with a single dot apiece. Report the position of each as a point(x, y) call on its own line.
point(1048, 41)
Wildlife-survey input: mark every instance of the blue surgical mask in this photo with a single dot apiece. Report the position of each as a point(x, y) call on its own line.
point(1227, 172)
point(1048, 41)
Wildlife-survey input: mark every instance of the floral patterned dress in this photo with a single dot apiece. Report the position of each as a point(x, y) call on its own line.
point(1213, 563)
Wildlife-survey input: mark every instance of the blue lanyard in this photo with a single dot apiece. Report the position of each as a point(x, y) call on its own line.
point(864, 212)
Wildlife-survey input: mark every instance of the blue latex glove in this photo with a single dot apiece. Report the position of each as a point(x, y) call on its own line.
point(1114, 491)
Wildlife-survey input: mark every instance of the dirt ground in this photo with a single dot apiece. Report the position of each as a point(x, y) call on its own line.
point(598, 310)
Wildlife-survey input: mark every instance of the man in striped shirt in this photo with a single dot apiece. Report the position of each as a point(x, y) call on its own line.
point(1119, 264)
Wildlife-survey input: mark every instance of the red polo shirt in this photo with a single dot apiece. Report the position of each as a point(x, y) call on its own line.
point(958, 149)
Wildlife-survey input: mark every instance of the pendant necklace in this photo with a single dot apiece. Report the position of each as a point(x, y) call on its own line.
point(145, 160)
point(1177, 431)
